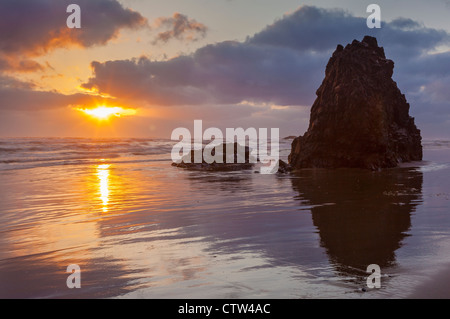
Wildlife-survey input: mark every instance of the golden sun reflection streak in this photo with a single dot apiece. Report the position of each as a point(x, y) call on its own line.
point(103, 175)
point(105, 112)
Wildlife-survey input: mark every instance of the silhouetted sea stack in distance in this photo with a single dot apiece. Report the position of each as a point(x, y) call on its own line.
point(360, 118)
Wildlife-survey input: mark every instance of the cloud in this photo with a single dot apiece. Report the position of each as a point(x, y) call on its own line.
point(405, 24)
point(316, 29)
point(31, 28)
point(224, 73)
point(283, 64)
point(311, 29)
point(18, 95)
point(179, 27)
point(22, 65)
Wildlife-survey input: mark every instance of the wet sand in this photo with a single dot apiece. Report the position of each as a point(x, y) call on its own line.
point(435, 287)
point(146, 229)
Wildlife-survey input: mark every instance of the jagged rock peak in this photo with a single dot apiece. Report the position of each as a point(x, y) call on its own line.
point(359, 118)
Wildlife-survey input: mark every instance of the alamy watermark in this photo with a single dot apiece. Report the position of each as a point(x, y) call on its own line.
point(74, 279)
point(374, 279)
point(73, 20)
point(374, 20)
point(258, 143)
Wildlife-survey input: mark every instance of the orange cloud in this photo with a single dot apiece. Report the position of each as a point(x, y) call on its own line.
point(31, 28)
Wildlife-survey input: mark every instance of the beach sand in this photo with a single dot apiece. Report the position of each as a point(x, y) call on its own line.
point(138, 227)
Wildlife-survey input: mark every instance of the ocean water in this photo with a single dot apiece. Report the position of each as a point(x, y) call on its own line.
point(139, 228)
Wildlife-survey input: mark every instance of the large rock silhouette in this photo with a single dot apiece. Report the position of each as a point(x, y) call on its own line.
point(359, 118)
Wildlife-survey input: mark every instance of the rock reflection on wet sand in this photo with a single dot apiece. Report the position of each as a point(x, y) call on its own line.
point(361, 216)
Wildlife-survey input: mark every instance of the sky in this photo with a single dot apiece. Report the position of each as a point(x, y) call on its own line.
point(230, 63)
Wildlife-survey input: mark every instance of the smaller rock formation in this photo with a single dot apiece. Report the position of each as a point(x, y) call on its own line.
point(283, 167)
point(359, 118)
point(188, 160)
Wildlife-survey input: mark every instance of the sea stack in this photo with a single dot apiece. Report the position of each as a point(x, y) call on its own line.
point(360, 118)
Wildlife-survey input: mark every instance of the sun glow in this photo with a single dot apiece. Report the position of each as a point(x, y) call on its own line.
point(105, 112)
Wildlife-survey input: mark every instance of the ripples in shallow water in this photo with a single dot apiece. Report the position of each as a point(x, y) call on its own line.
point(146, 229)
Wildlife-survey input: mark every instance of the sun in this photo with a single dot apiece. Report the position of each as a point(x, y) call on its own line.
point(104, 112)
